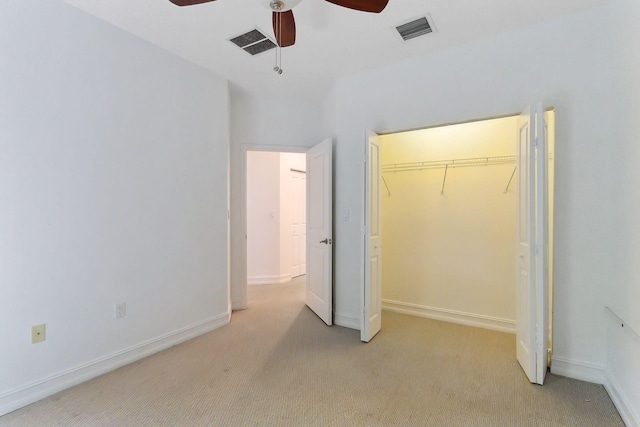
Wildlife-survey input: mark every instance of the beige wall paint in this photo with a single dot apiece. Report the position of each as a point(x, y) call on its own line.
point(550, 117)
point(453, 251)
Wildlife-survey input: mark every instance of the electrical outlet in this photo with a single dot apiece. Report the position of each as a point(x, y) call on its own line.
point(120, 310)
point(38, 333)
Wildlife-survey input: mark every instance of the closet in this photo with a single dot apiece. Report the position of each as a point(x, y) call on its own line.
point(449, 223)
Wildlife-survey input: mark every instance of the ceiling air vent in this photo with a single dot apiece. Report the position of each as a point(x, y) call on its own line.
point(415, 28)
point(253, 42)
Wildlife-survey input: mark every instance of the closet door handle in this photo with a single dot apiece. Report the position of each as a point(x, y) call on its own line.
point(326, 241)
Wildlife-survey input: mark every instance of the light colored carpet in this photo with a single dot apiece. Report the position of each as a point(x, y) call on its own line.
point(277, 364)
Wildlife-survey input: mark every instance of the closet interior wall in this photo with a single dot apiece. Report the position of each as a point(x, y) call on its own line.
point(449, 232)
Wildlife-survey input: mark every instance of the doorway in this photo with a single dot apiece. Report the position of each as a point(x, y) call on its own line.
point(452, 235)
point(449, 223)
point(276, 216)
point(317, 243)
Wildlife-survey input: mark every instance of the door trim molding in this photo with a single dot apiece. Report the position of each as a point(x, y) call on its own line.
point(239, 285)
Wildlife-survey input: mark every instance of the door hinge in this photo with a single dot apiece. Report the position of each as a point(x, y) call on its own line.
point(537, 141)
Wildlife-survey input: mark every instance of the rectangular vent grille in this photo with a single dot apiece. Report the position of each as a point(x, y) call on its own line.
point(414, 29)
point(253, 42)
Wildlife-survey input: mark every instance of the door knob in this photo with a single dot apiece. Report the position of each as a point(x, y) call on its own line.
point(326, 241)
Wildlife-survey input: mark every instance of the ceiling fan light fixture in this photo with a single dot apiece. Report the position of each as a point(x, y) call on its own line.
point(284, 25)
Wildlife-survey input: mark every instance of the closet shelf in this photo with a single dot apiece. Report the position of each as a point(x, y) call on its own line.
point(453, 163)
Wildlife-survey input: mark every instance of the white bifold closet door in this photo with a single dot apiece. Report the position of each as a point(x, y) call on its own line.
point(532, 311)
point(371, 322)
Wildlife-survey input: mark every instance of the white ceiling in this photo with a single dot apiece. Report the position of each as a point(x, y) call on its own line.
point(331, 40)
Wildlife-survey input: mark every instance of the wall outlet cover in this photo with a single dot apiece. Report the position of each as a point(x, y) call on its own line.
point(38, 333)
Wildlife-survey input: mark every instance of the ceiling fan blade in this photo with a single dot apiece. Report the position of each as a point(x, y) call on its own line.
point(373, 6)
point(284, 28)
point(189, 2)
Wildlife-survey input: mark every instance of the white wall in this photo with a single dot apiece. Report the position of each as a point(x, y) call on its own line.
point(258, 123)
point(263, 218)
point(591, 77)
point(618, 265)
point(451, 256)
point(113, 186)
point(623, 368)
point(113, 178)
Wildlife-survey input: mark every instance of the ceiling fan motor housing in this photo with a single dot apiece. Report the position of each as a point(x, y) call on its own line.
point(279, 5)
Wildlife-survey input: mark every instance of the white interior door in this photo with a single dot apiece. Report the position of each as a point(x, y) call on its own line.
point(372, 289)
point(319, 230)
point(532, 315)
point(298, 222)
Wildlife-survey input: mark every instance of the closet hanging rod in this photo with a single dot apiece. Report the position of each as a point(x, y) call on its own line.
point(453, 163)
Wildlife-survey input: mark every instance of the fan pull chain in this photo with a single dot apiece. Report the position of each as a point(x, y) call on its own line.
point(279, 56)
point(278, 67)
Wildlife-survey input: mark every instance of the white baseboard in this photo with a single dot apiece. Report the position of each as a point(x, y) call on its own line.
point(268, 280)
point(446, 315)
point(239, 305)
point(577, 370)
point(628, 413)
point(23, 396)
point(346, 321)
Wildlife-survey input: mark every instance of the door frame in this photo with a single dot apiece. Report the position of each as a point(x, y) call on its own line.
point(365, 189)
point(241, 301)
point(301, 175)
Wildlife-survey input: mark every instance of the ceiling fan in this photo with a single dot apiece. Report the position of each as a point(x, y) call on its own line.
point(284, 26)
